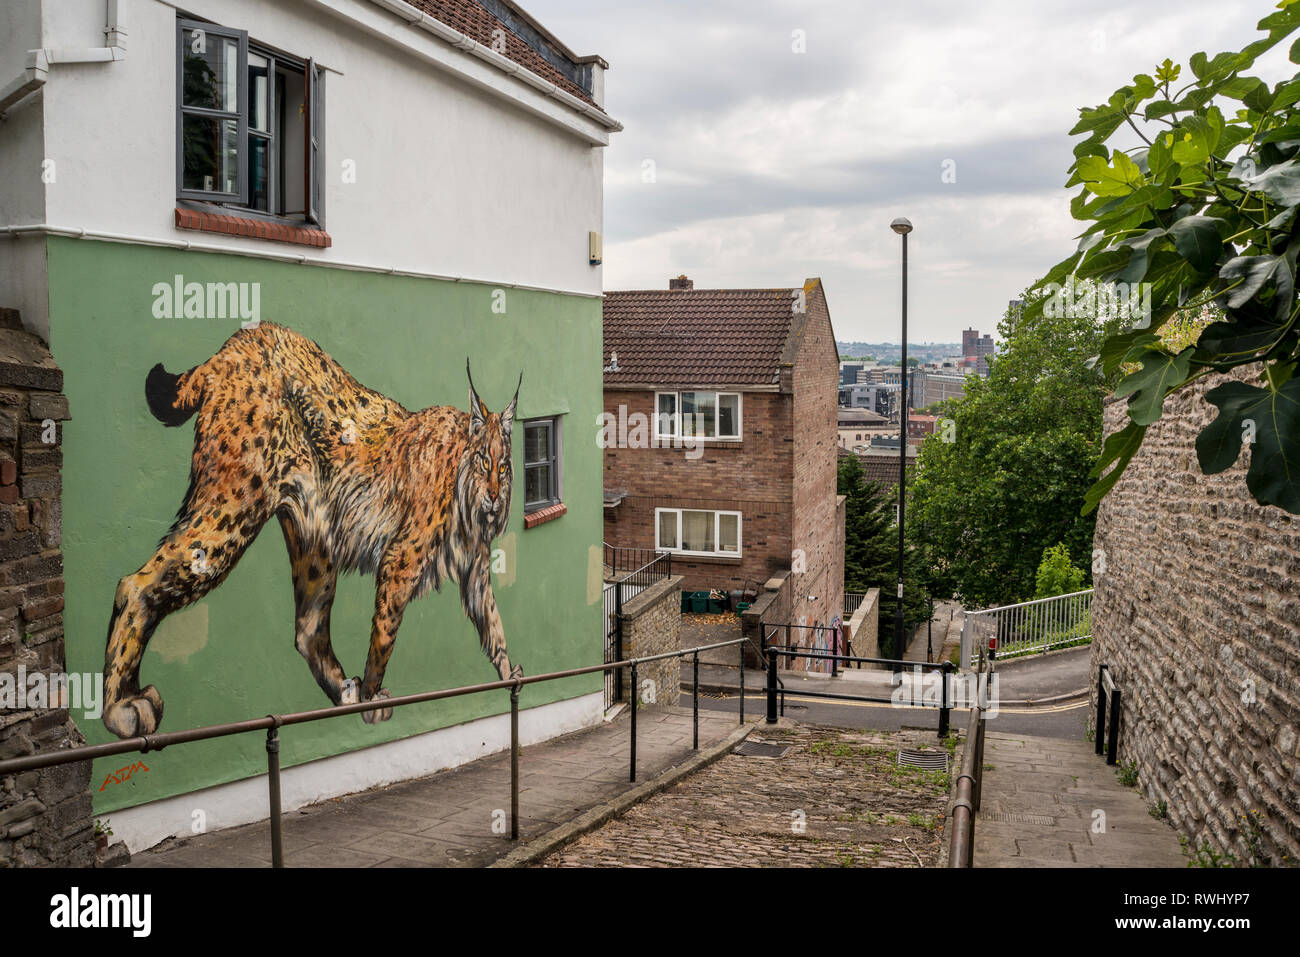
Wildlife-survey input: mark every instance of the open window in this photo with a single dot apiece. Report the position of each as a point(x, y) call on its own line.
point(698, 415)
point(249, 125)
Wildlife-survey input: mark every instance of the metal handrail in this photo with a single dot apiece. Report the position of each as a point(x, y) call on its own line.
point(273, 722)
point(970, 780)
point(1035, 601)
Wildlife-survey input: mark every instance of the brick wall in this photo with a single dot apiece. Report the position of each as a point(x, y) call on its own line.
point(45, 816)
point(1197, 615)
point(781, 477)
point(651, 623)
point(818, 529)
point(752, 476)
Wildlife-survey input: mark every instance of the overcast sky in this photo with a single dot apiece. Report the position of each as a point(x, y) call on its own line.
point(771, 166)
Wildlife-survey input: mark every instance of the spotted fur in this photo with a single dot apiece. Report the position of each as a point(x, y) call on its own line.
point(357, 482)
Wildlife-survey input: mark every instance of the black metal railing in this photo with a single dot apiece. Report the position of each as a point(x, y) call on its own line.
point(272, 724)
point(616, 594)
point(1107, 731)
point(619, 559)
point(830, 639)
point(944, 704)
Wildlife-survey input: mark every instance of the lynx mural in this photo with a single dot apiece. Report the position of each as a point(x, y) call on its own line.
point(357, 482)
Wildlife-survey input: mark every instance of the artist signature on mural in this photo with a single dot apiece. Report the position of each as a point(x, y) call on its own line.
point(123, 774)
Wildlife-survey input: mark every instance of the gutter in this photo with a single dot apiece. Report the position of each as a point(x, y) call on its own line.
point(39, 61)
point(80, 232)
point(460, 41)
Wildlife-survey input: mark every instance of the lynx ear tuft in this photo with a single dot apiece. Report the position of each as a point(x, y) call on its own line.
point(508, 414)
point(477, 410)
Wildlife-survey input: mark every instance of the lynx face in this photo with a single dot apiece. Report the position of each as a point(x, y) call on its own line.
point(486, 472)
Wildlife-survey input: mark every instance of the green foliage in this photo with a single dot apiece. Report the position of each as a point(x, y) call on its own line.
point(1202, 211)
point(1127, 774)
point(1206, 856)
point(1011, 483)
point(871, 548)
point(1057, 575)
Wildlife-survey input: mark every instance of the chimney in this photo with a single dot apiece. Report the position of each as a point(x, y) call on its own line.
point(681, 282)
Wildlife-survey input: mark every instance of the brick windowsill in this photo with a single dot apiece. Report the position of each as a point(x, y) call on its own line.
point(543, 515)
point(232, 225)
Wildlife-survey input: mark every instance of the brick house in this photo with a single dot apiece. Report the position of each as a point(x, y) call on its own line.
point(720, 406)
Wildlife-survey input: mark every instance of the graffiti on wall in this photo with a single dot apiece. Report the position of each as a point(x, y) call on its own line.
point(357, 483)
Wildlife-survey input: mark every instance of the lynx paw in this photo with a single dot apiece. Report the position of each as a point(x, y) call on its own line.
point(379, 714)
point(349, 691)
point(136, 714)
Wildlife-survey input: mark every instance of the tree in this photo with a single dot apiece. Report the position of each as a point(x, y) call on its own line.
point(1202, 210)
point(871, 549)
point(1006, 478)
point(1057, 575)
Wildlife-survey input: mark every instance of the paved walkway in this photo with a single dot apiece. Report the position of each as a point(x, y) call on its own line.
point(1049, 802)
point(448, 819)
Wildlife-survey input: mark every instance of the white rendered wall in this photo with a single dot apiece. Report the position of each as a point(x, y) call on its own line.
point(449, 179)
point(246, 801)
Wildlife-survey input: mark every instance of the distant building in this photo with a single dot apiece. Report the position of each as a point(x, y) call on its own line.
point(878, 398)
point(852, 373)
point(973, 344)
point(880, 463)
point(857, 428)
point(931, 387)
point(919, 426)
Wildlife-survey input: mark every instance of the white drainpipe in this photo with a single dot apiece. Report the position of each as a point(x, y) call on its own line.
point(39, 61)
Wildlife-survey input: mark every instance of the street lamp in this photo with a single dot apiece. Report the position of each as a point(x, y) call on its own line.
point(902, 226)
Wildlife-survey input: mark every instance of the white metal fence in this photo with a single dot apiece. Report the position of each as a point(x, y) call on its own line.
point(1029, 627)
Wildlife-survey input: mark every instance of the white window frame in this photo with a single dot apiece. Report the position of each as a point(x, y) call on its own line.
point(676, 433)
point(555, 461)
point(717, 533)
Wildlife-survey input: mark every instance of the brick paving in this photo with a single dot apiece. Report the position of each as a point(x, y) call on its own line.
point(858, 809)
point(447, 819)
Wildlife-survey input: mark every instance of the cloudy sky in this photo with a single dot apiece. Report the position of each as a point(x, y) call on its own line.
point(770, 165)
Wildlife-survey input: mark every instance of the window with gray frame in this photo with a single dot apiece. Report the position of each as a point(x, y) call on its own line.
point(249, 124)
point(541, 463)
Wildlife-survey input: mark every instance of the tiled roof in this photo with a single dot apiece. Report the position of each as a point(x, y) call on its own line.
point(881, 465)
point(697, 336)
point(476, 22)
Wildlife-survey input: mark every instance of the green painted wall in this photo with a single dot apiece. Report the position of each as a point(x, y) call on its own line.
point(231, 655)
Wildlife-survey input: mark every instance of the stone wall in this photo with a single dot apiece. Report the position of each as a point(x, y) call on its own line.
point(651, 624)
point(864, 626)
point(774, 605)
point(1197, 615)
point(45, 816)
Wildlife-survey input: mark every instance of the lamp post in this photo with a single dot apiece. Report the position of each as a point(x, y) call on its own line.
point(902, 226)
